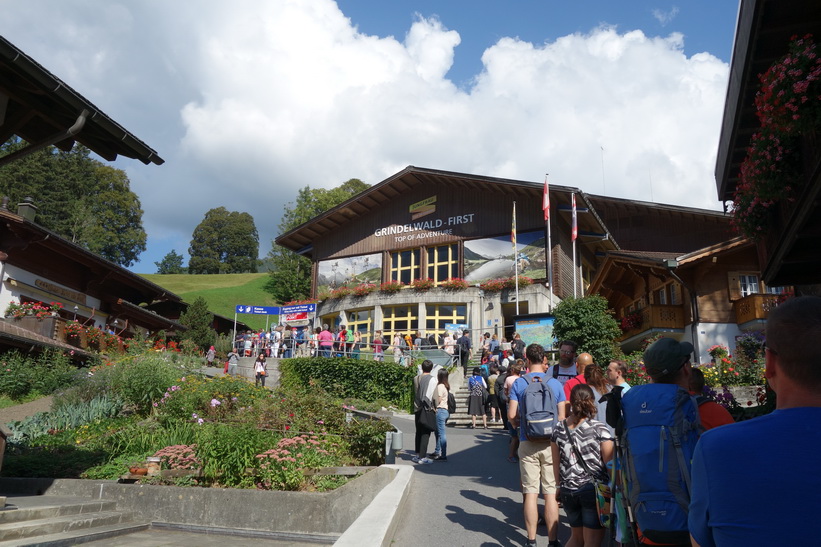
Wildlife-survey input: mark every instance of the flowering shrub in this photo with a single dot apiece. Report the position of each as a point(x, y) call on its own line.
point(631, 321)
point(750, 344)
point(422, 284)
point(454, 284)
point(718, 352)
point(284, 467)
point(787, 105)
point(734, 372)
point(207, 399)
point(341, 292)
point(94, 335)
point(39, 310)
point(364, 289)
point(391, 287)
point(74, 329)
point(179, 456)
point(495, 285)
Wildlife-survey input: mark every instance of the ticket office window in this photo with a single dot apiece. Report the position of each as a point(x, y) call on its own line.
point(362, 321)
point(438, 315)
point(401, 319)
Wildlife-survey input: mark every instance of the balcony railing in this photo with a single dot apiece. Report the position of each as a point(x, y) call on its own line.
point(657, 316)
point(754, 307)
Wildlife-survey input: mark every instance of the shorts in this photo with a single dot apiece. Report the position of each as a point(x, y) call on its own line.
point(536, 468)
point(580, 507)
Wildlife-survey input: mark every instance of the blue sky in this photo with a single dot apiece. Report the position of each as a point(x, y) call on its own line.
point(251, 100)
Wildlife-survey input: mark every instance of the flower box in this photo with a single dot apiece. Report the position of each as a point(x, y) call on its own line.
point(46, 326)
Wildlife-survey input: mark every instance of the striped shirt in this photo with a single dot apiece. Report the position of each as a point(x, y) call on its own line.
point(588, 437)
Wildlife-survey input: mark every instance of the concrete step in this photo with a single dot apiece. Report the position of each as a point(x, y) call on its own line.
point(12, 514)
point(59, 524)
point(84, 535)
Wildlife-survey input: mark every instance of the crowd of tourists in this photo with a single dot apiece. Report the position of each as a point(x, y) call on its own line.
point(654, 464)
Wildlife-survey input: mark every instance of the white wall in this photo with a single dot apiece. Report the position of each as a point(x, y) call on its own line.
point(710, 334)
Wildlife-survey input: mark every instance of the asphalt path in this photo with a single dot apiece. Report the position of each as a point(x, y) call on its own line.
point(473, 499)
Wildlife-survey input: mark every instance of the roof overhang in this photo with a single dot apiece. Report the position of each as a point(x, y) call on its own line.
point(301, 238)
point(43, 110)
point(763, 32)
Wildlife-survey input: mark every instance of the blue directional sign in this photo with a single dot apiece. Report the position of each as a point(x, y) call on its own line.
point(299, 308)
point(259, 310)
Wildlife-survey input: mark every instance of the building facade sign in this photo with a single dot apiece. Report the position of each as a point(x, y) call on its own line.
point(426, 228)
point(63, 292)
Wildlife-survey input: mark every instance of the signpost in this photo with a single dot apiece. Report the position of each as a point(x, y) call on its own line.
point(291, 313)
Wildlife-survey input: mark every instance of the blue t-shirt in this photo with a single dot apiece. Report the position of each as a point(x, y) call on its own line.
point(737, 468)
point(518, 388)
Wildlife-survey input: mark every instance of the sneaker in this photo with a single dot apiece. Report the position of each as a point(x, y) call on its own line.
point(415, 459)
point(530, 543)
point(441, 458)
point(425, 461)
point(433, 455)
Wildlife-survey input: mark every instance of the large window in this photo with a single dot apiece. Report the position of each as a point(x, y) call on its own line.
point(437, 315)
point(362, 321)
point(443, 262)
point(405, 265)
point(401, 319)
point(748, 284)
point(332, 320)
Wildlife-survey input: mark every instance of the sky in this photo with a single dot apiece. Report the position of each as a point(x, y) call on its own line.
point(248, 101)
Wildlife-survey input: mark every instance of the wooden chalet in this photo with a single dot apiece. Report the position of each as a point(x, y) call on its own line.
point(789, 252)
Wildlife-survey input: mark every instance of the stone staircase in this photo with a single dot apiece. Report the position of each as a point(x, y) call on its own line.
point(53, 520)
point(460, 418)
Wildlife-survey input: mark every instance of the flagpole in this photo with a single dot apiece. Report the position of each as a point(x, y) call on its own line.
point(515, 258)
point(573, 237)
point(549, 249)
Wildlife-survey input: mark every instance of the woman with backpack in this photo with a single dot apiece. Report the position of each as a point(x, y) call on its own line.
point(594, 377)
point(260, 370)
point(582, 446)
point(442, 414)
point(476, 401)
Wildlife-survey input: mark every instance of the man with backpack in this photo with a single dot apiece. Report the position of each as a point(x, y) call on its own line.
point(657, 438)
point(535, 408)
point(566, 368)
point(754, 482)
point(463, 344)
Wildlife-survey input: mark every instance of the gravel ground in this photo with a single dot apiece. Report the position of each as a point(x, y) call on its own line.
point(18, 412)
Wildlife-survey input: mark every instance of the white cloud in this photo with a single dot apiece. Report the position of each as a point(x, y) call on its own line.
point(250, 101)
point(665, 17)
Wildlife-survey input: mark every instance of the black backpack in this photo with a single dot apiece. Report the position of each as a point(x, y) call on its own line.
point(451, 403)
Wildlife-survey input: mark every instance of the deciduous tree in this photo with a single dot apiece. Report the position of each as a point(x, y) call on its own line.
point(589, 323)
point(290, 277)
point(84, 200)
point(224, 242)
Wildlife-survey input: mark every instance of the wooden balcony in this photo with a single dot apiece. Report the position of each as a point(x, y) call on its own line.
point(657, 317)
point(754, 307)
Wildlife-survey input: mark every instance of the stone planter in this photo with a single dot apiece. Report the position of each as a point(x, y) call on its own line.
point(44, 327)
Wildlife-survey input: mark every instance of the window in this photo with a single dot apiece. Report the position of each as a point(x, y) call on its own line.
point(775, 290)
point(748, 284)
point(443, 262)
point(661, 296)
point(331, 320)
point(437, 315)
point(405, 265)
point(361, 320)
point(401, 319)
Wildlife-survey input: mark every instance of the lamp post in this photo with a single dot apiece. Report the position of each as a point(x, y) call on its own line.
point(76, 309)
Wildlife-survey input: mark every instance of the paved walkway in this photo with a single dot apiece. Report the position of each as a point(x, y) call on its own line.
point(473, 499)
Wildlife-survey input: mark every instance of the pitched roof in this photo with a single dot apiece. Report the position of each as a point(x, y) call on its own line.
point(43, 110)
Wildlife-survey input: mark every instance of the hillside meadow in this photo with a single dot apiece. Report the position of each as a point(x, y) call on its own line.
point(223, 292)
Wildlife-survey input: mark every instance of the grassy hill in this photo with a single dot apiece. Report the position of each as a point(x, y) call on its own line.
point(223, 292)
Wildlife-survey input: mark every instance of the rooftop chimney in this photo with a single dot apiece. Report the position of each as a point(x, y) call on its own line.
point(27, 209)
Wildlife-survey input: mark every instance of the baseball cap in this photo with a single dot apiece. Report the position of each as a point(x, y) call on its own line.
point(665, 356)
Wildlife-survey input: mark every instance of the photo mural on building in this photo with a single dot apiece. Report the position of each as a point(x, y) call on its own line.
point(348, 272)
point(492, 257)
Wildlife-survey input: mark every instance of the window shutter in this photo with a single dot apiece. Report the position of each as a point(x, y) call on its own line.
point(733, 285)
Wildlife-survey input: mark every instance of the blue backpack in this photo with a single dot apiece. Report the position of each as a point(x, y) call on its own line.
point(539, 409)
point(661, 429)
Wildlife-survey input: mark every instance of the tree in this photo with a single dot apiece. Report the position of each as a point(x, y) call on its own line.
point(290, 277)
point(224, 242)
point(81, 199)
point(589, 323)
point(198, 320)
point(170, 264)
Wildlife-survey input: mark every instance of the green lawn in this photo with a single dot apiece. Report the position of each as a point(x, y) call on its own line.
point(223, 292)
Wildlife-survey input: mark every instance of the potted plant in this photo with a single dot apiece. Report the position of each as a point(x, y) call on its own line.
point(422, 284)
point(391, 287)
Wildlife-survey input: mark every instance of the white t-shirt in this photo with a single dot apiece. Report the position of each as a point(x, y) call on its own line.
point(565, 374)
